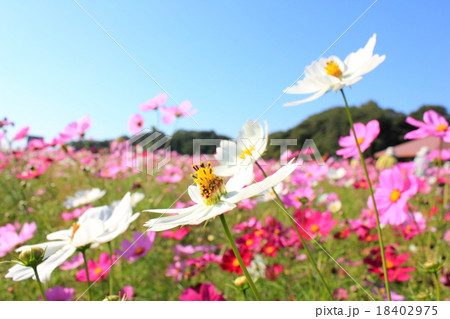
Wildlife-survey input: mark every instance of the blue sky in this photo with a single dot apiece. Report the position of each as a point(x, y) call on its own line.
point(231, 59)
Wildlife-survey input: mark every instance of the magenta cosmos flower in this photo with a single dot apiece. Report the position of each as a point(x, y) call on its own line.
point(76, 129)
point(170, 113)
point(202, 292)
point(59, 293)
point(135, 124)
point(392, 194)
point(22, 133)
point(141, 244)
point(433, 125)
point(154, 103)
point(33, 172)
point(97, 271)
point(9, 238)
point(365, 134)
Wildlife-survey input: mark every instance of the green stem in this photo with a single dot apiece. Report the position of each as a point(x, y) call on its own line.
point(308, 253)
point(110, 270)
point(239, 258)
point(437, 285)
point(88, 281)
point(39, 284)
point(363, 162)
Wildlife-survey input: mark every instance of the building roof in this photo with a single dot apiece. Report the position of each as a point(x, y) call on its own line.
point(410, 148)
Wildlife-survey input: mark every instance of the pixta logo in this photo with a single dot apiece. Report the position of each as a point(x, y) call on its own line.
point(148, 151)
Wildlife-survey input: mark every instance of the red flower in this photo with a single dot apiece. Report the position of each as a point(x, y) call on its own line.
point(97, 271)
point(270, 250)
point(273, 271)
point(249, 241)
point(393, 262)
point(231, 264)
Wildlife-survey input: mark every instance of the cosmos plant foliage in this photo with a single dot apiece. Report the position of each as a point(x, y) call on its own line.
point(85, 224)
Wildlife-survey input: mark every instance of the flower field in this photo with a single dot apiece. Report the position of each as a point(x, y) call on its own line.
point(95, 224)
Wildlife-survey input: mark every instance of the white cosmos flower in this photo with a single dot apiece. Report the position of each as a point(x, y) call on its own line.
point(269, 194)
point(64, 243)
point(83, 197)
point(248, 148)
point(336, 174)
point(213, 197)
point(136, 198)
point(334, 206)
point(333, 74)
point(115, 219)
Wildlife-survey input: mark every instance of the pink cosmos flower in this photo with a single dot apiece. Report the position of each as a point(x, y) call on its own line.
point(433, 124)
point(299, 197)
point(111, 171)
point(59, 293)
point(154, 103)
point(9, 238)
point(75, 129)
point(74, 263)
point(171, 175)
point(174, 112)
point(314, 223)
point(77, 212)
point(22, 133)
point(340, 294)
point(444, 155)
point(366, 134)
point(178, 234)
point(202, 292)
point(247, 204)
point(141, 244)
point(135, 124)
point(251, 223)
point(392, 194)
point(447, 236)
point(127, 292)
point(414, 225)
point(5, 122)
point(33, 172)
point(36, 144)
point(97, 271)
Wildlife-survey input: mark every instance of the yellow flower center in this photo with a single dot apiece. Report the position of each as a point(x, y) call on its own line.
point(75, 227)
point(382, 291)
point(211, 186)
point(98, 270)
point(235, 263)
point(333, 69)
point(138, 251)
point(395, 195)
point(389, 264)
point(259, 232)
point(270, 249)
point(249, 242)
point(360, 140)
point(247, 151)
point(441, 127)
point(314, 228)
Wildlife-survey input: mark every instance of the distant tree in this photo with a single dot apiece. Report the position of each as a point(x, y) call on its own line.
point(326, 127)
point(418, 115)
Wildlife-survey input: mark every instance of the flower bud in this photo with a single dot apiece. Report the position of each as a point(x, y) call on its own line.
point(32, 257)
point(432, 266)
point(112, 298)
point(240, 281)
